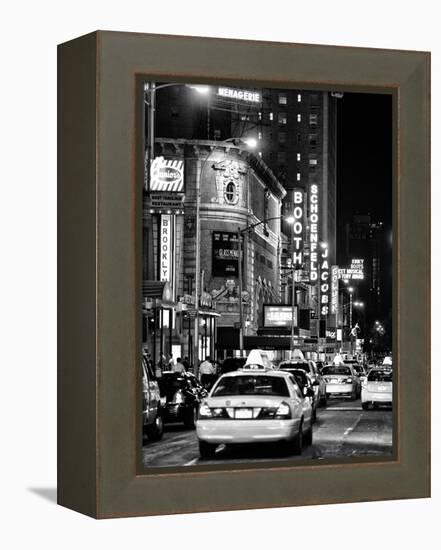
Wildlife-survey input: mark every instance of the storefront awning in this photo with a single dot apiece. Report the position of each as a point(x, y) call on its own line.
point(158, 291)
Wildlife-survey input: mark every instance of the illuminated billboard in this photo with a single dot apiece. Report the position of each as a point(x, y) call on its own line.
point(354, 272)
point(297, 227)
point(279, 316)
point(167, 175)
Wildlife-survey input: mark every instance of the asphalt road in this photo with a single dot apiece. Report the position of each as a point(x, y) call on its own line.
point(343, 429)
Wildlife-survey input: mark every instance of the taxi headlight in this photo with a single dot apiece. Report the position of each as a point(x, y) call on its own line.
point(283, 411)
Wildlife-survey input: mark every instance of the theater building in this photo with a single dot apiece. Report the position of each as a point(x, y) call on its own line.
point(227, 188)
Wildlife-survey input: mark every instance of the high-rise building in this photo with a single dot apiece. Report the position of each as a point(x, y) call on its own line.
point(295, 135)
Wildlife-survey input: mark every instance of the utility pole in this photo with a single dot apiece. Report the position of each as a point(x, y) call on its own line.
point(239, 273)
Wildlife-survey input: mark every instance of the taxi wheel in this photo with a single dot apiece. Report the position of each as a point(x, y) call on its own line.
point(307, 438)
point(297, 443)
point(190, 419)
point(207, 450)
point(155, 431)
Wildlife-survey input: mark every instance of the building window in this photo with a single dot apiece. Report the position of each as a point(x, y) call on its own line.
point(313, 99)
point(282, 119)
point(313, 141)
point(282, 137)
point(271, 116)
point(281, 157)
point(299, 98)
point(231, 194)
point(299, 157)
point(312, 160)
point(299, 138)
point(260, 115)
point(298, 176)
point(299, 118)
point(262, 259)
point(259, 135)
point(283, 100)
point(313, 120)
point(217, 134)
point(269, 263)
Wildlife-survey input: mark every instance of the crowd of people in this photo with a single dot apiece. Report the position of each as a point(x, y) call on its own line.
point(208, 369)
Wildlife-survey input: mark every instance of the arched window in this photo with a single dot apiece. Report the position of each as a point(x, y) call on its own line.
point(230, 192)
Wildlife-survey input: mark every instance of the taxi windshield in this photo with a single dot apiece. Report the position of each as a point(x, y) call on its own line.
point(380, 376)
point(292, 365)
point(251, 385)
point(346, 371)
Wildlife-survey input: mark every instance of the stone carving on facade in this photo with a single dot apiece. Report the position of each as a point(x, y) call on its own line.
point(229, 182)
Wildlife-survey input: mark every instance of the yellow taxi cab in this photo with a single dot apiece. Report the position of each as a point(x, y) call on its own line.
point(254, 404)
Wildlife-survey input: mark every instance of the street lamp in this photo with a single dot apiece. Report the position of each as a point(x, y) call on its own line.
point(240, 232)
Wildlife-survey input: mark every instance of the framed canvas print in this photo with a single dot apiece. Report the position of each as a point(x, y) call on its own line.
point(244, 274)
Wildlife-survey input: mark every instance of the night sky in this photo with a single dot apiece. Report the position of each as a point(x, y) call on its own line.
point(364, 159)
point(364, 171)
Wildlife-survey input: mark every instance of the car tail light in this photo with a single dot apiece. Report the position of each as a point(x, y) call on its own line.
point(216, 412)
point(205, 411)
point(284, 411)
point(178, 398)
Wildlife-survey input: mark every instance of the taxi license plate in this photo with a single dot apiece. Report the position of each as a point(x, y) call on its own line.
point(244, 413)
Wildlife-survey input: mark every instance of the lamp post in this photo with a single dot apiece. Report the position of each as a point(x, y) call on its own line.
point(240, 232)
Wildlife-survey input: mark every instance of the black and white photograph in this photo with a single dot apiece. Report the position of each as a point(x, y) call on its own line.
point(267, 275)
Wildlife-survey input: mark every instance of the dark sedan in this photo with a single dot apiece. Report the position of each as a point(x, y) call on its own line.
point(181, 394)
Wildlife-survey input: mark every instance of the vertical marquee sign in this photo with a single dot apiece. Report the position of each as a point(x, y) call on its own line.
point(313, 231)
point(298, 228)
point(324, 282)
point(166, 249)
point(334, 290)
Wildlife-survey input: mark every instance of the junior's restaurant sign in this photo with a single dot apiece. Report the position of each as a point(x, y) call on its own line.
point(167, 175)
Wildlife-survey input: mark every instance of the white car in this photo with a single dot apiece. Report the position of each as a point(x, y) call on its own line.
point(311, 369)
point(251, 405)
point(377, 388)
point(341, 381)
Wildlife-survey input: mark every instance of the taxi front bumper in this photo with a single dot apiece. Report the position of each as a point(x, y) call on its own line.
point(246, 431)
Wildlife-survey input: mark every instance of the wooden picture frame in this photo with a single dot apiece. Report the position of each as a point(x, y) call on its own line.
point(100, 166)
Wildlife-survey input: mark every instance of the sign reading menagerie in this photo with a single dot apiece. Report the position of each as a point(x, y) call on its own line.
point(241, 95)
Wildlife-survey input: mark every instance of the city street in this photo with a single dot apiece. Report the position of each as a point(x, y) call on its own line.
point(342, 429)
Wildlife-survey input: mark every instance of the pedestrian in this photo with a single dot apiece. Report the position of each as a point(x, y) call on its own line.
point(207, 373)
point(178, 366)
point(171, 362)
point(186, 363)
